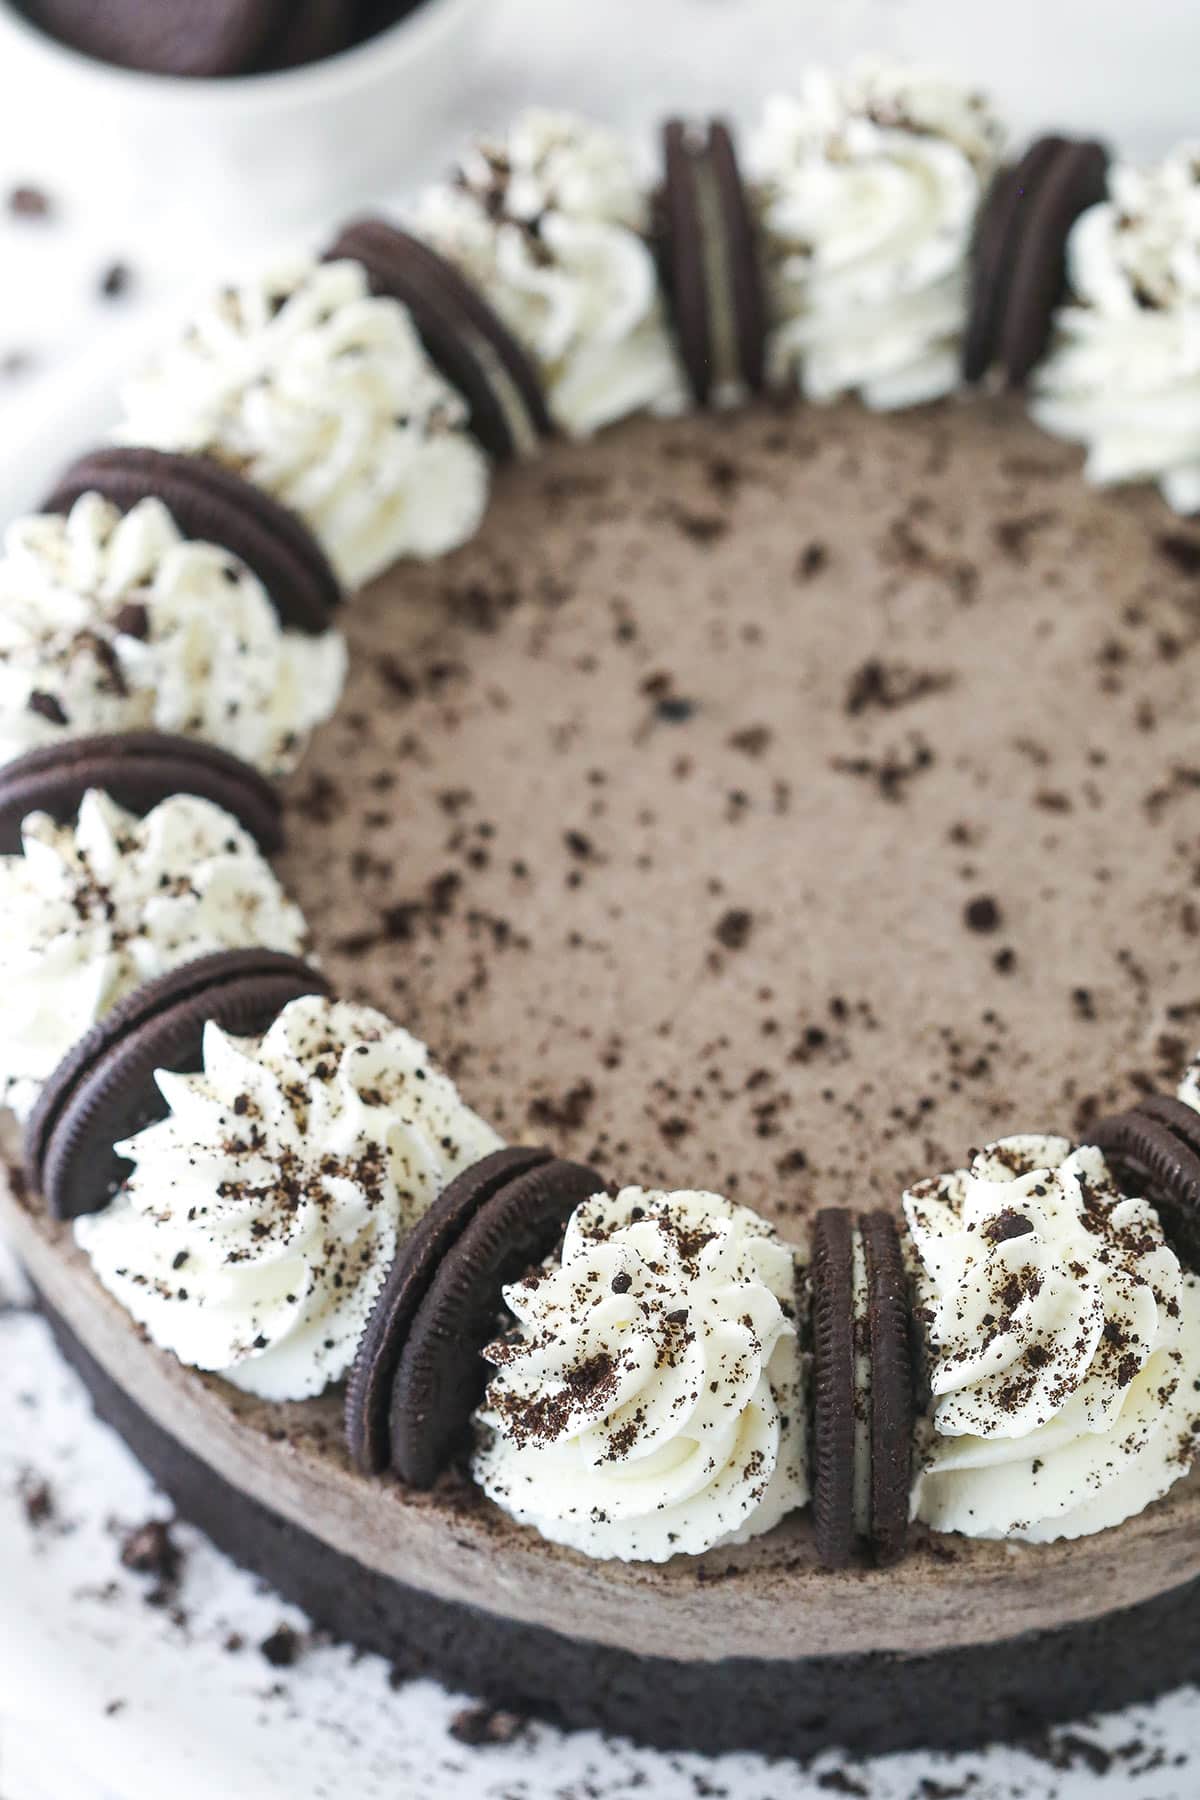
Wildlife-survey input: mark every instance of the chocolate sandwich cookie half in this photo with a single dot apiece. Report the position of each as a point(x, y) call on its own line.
point(862, 1386)
point(1155, 1149)
point(104, 1089)
point(465, 338)
point(710, 263)
point(1018, 258)
point(419, 1373)
point(164, 37)
point(211, 503)
point(137, 769)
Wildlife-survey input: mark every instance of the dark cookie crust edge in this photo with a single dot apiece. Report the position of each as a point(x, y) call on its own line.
point(868, 1704)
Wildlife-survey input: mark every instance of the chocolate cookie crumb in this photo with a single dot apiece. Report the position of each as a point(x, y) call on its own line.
point(282, 1648)
point(150, 1550)
point(476, 1726)
point(734, 927)
point(29, 202)
point(116, 280)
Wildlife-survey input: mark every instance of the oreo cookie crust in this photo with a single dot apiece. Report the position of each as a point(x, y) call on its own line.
point(465, 338)
point(138, 769)
point(1018, 264)
point(209, 502)
point(421, 1355)
point(710, 263)
point(104, 1088)
point(1155, 1149)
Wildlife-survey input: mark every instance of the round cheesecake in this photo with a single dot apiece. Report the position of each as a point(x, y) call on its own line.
point(781, 804)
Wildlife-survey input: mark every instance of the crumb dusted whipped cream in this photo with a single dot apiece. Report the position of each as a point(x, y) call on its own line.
point(262, 1214)
point(649, 1398)
point(94, 908)
point(867, 187)
point(1123, 373)
point(550, 221)
point(304, 382)
point(1063, 1342)
point(112, 621)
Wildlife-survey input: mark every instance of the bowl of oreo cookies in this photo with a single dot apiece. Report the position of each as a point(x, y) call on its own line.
point(267, 114)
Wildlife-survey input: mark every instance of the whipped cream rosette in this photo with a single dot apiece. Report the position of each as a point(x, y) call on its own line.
point(263, 1212)
point(305, 383)
point(649, 1399)
point(551, 221)
point(867, 187)
point(95, 907)
point(1063, 1344)
point(113, 621)
point(1123, 373)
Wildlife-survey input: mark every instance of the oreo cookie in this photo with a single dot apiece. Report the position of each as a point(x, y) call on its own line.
point(164, 37)
point(710, 262)
point(138, 769)
point(1018, 260)
point(209, 502)
point(419, 1372)
point(1154, 1149)
point(104, 1090)
point(862, 1410)
point(465, 338)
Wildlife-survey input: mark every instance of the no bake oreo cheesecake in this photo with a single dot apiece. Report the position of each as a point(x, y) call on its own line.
point(768, 1314)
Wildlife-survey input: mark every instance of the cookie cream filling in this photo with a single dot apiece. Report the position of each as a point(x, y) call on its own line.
point(93, 909)
point(1063, 1341)
point(1123, 373)
point(649, 1398)
point(112, 621)
point(304, 382)
point(263, 1212)
point(550, 221)
point(867, 187)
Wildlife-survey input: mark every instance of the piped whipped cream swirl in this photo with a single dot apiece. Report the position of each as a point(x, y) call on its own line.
point(551, 221)
point(93, 909)
point(1123, 373)
point(262, 1214)
point(649, 1398)
point(306, 383)
point(114, 622)
point(867, 187)
point(1064, 1346)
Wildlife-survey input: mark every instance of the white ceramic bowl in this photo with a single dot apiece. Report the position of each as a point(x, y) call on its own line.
point(237, 160)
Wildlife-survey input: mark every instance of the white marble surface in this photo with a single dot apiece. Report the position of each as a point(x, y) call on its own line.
point(103, 1696)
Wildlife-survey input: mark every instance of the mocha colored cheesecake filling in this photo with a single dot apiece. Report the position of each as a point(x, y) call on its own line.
point(779, 804)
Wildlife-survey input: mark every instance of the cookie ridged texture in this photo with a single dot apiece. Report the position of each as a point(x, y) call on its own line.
point(889, 1329)
point(441, 1375)
point(1018, 260)
point(451, 317)
point(104, 1088)
point(369, 1392)
point(138, 769)
point(831, 1279)
point(1155, 1148)
point(682, 260)
point(211, 503)
point(745, 264)
point(167, 37)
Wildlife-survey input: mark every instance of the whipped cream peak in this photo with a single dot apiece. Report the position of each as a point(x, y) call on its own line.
point(306, 383)
point(95, 907)
point(649, 1397)
point(1063, 1344)
point(113, 621)
point(1123, 373)
point(263, 1212)
point(867, 187)
point(550, 222)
